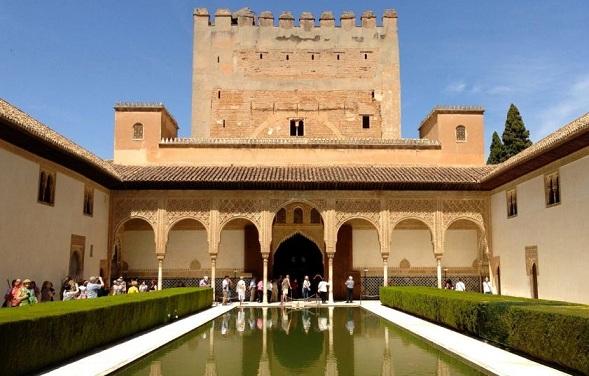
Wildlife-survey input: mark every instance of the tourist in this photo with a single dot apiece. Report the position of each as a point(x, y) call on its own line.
point(47, 292)
point(322, 290)
point(153, 285)
point(94, 285)
point(260, 296)
point(204, 282)
point(285, 287)
point(133, 289)
point(252, 289)
point(64, 284)
point(269, 290)
point(240, 290)
point(15, 292)
point(8, 294)
point(306, 288)
point(27, 294)
point(143, 287)
point(460, 286)
point(350, 287)
point(83, 290)
point(36, 291)
point(448, 285)
point(226, 287)
point(70, 291)
point(487, 287)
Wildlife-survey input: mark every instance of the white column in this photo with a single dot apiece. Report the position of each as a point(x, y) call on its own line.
point(330, 260)
point(160, 267)
point(439, 267)
point(385, 270)
point(265, 292)
point(213, 274)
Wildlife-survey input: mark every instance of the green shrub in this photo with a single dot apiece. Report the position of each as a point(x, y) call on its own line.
point(42, 335)
point(551, 331)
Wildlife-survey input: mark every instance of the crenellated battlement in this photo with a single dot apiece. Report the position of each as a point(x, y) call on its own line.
point(223, 18)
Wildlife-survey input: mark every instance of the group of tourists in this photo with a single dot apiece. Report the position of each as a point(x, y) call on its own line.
point(460, 286)
point(26, 292)
point(280, 289)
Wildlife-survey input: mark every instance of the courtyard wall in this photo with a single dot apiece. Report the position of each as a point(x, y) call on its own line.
point(555, 237)
point(36, 237)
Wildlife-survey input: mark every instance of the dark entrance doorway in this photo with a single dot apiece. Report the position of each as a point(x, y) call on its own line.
point(534, 282)
point(297, 256)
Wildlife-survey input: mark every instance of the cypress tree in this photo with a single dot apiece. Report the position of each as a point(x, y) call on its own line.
point(515, 135)
point(496, 153)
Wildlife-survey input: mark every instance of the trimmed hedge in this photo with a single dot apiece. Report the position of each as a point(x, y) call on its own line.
point(551, 331)
point(42, 335)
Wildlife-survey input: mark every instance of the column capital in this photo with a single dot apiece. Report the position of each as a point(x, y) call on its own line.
point(330, 254)
point(265, 255)
point(160, 256)
point(385, 256)
point(438, 256)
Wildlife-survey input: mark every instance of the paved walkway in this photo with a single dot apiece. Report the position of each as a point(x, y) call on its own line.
point(108, 360)
point(483, 355)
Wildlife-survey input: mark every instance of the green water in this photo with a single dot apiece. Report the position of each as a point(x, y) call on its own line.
point(322, 341)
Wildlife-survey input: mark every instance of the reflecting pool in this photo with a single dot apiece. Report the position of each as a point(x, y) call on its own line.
point(316, 341)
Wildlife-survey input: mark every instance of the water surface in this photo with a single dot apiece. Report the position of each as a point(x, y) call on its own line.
point(317, 341)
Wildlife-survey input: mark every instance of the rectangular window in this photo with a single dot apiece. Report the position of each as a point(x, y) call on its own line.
point(552, 189)
point(365, 121)
point(46, 192)
point(88, 201)
point(511, 197)
point(297, 127)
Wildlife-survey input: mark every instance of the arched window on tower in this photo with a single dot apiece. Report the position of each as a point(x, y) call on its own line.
point(315, 216)
point(138, 131)
point(461, 133)
point(297, 216)
point(281, 216)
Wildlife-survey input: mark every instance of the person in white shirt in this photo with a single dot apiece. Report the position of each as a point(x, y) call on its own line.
point(460, 285)
point(322, 289)
point(487, 287)
point(306, 288)
point(240, 290)
point(226, 287)
point(204, 282)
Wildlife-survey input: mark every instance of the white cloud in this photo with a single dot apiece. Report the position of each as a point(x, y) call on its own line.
point(573, 103)
point(456, 87)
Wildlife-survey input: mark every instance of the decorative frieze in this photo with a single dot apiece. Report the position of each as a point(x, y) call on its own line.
point(178, 209)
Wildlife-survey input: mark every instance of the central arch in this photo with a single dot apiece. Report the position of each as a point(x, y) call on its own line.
point(297, 256)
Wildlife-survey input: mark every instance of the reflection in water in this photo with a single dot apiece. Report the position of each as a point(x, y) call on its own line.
point(340, 341)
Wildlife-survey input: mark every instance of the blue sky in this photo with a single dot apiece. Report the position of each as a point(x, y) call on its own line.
point(67, 62)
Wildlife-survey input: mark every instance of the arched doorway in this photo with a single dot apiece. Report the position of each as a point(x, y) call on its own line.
point(534, 281)
point(297, 256)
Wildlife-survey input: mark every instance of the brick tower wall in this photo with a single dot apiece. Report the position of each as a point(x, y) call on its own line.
point(252, 78)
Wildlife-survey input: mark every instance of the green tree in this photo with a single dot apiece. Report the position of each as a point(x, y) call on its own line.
point(515, 135)
point(496, 153)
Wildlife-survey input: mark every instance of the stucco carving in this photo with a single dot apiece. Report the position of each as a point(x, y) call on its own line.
point(453, 210)
point(236, 208)
point(423, 210)
point(188, 208)
point(135, 208)
point(365, 209)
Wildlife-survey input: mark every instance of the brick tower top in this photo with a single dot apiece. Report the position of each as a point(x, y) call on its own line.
point(255, 79)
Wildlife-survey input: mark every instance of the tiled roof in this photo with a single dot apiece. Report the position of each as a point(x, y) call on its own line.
point(304, 177)
point(565, 134)
point(40, 131)
point(25, 131)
